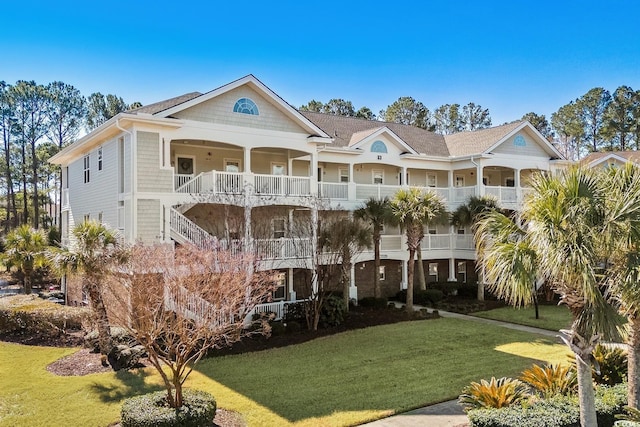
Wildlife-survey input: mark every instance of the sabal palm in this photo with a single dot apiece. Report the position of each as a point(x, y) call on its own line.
point(25, 249)
point(411, 209)
point(376, 213)
point(346, 237)
point(94, 253)
point(565, 228)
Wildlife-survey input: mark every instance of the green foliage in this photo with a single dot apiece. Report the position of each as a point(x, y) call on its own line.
point(611, 366)
point(25, 250)
point(293, 327)
point(630, 414)
point(447, 288)
point(53, 236)
point(277, 328)
point(333, 311)
point(427, 297)
point(152, 410)
point(30, 315)
point(558, 411)
point(407, 111)
point(550, 380)
point(495, 393)
point(294, 312)
point(373, 302)
point(119, 336)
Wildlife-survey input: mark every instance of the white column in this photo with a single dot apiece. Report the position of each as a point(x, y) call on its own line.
point(479, 184)
point(292, 293)
point(516, 183)
point(450, 186)
point(405, 273)
point(452, 270)
point(314, 248)
point(313, 173)
point(247, 159)
point(404, 180)
point(353, 290)
point(351, 190)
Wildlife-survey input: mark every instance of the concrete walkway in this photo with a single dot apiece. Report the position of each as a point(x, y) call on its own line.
point(448, 414)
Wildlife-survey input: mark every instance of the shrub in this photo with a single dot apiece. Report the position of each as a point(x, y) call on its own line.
point(373, 302)
point(294, 312)
point(610, 365)
point(496, 393)
point(468, 291)
point(30, 315)
point(119, 335)
point(277, 328)
point(333, 311)
point(421, 297)
point(549, 380)
point(447, 288)
point(631, 415)
point(293, 327)
point(152, 410)
point(401, 296)
point(558, 411)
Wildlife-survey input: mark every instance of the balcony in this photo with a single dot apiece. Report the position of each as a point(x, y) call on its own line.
point(216, 182)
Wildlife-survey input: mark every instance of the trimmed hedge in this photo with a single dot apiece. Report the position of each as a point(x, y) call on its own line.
point(559, 411)
point(151, 410)
point(420, 297)
point(28, 314)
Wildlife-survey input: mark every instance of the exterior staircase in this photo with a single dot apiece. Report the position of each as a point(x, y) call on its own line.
point(183, 230)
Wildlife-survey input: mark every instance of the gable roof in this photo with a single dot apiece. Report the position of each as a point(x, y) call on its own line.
point(158, 107)
point(594, 159)
point(485, 140)
point(344, 129)
point(251, 81)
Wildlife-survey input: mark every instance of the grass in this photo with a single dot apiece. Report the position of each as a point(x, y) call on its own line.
point(552, 317)
point(337, 380)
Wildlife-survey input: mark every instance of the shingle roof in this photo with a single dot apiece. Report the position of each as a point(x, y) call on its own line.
point(166, 104)
point(633, 156)
point(478, 141)
point(341, 129)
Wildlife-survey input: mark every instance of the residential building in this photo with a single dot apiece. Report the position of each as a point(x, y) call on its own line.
point(239, 166)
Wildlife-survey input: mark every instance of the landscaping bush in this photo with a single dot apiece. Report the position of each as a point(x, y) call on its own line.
point(152, 410)
point(277, 328)
point(119, 335)
point(549, 380)
point(30, 315)
point(333, 311)
point(293, 327)
point(447, 288)
point(422, 297)
point(468, 290)
point(495, 393)
point(373, 302)
point(558, 411)
point(294, 312)
point(612, 362)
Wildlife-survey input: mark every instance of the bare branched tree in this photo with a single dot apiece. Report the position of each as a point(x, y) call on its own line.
point(183, 303)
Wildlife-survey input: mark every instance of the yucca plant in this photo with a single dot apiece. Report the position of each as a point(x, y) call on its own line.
point(495, 393)
point(550, 380)
point(609, 365)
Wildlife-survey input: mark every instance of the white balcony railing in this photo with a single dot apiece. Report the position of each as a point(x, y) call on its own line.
point(463, 241)
point(436, 241)
point(461, 194)
point(391, 242)
point(503, 194)
point(270, 249)
point(334, 190)
point(376, 191)
point(282, 185)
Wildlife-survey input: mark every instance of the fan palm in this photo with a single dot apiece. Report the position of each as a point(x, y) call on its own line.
point(561, 235)
point(25, 249)
point(376, 213)
point(95, 253)
point(411, 209)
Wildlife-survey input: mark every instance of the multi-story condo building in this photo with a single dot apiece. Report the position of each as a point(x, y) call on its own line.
point(240, 166)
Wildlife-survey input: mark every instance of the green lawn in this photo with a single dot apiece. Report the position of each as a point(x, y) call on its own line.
point(552, 317)
point(339, 380)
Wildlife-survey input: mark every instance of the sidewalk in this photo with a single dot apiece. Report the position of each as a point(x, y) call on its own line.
point(450, 413)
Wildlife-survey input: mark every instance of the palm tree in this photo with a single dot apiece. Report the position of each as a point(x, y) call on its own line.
point(469, 214)
point(95, 253)
point(347, 237)
point(376, 213)
point(25, 249)
point(411, 209)
point(564, 227)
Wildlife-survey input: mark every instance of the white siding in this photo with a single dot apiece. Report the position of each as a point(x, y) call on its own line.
point(220, 110)
point(150, 176)
point(530, 149)
point(149, 220)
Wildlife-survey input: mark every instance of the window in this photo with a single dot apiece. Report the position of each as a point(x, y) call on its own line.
point(278, 168)
point(433, 270)
point(382, 273)
point(344, 174)
point(278, 226)
point(509, 182)
point(281, 287)
point(462, 271)
point(378, 176)
point(378, 147)
point(246, 106)
point(461, 231)
point(459, 181)
point(99, 158)
point(231, 165)
point(86, 217)
point(519, 141)
point(432, 231)
point(86, 168)
point(432, 180)
point(185, 165)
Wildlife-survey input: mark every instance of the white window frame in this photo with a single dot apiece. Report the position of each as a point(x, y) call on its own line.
point(281, 283)
point(433, 270)
point(100, 158)
point(232, 162)
point(461, 231)
point(382, 274)
point(343, 173)
point(284, 168)
point(429, 179)
point(464, 270)
point(274, 230)
point(458, 179)
point(432, 231)
point(86, 168)
point(186, 156)
point(375, 172)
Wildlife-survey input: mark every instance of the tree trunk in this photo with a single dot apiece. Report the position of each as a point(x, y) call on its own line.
point(346, 279)
point(102, 319)
point(586, 394)
point(25, 206)
point(36, 201)
point(410, 267)
point(28, 273)
point(422, 283)
point(633, 362)
point(480, 294)
point(376, 264)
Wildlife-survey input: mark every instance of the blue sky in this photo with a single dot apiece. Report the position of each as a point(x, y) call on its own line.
point(509, 56)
